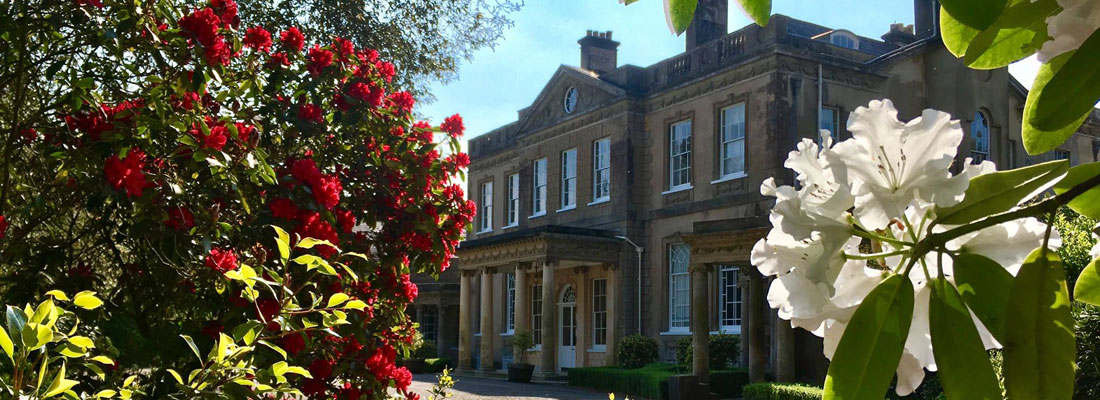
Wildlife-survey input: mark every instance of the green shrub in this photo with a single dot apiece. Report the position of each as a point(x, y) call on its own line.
point(649, 381)
point(636, 351)
point(781, 391)
point(729, 383)
point(724, 351)
point(1088, 351)
point(426, 350)
point(436, 365)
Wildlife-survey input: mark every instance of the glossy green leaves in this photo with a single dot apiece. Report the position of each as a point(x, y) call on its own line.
point(679, 13)
point(963, 363)
point(1087, 203)
point(1017, 31)
point(759, 10)
point(1073, 91)
point(1000, 191)
point(1040, 140)
point(979, 14)
point(1087, 289)
point(984, 285)
point(1039, 343)
point(869, 351)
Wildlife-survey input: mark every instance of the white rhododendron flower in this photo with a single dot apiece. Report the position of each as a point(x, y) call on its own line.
point(885, 183)
point(1068, 29)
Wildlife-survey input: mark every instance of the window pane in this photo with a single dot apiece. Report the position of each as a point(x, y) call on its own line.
point(536, 313)
point(511, 306)
point(679, 287)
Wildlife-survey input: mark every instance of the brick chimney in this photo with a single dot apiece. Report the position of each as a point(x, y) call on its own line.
point(599, 53)
point(709, 23)
point(899, 35)
point(927, 17)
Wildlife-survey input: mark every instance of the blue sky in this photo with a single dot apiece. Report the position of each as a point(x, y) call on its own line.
point(497, 82)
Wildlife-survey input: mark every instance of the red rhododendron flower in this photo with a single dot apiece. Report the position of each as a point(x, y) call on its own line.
point(380, 362)
point(402, 378)
point(403, 100)
point(386, 70)
point(218, 53)
point(126, 174)
point(3, 226)
point(350, 392)
point(460, 160)
point(313, 387)
point(408, 289)
point(278, 59)
point(180, 218)
point(227, 12)
point(293, 39)
point(244, 131)
point(258, 39)
point(318, 60)
point(346, 220)
point(311, 225)
point(310, 112)
point(283, 208)
point(305, 171)
point(268, 309)
point(221, 260)
point(453, 126)
point(327, 191)
point(215, 140)
point(321, 368)
point(293, 343)
point(201, 25)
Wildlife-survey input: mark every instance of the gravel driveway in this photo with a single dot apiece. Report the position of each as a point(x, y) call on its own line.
point(471, 388)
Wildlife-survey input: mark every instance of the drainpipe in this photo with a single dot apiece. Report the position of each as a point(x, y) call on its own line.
point(820, 89)
point(638, 251)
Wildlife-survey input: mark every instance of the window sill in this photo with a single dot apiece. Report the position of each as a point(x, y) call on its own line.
point(675, 333)
point(538, 347)
point(484, 231)
point(728, 178)
point(477, 334)
point(598, 349)
point(677, 189)
point(510, 226)
point(727, 330)
point(570, 208)
point(600, 201)
point(509, 333)
point(533, 216)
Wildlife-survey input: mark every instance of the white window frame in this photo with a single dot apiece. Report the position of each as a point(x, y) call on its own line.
point(679, 155)
point(568, 180)
point(599, 313)
point(731, 133)
point(724, 320)
point(831, 124)
point(510, 306)
point(485, 207)
point(1060, 154)
point(979, 127)
point(538, 188)
point(679, 288)
point(601, 171)
point(536, 315)
point(512, 214)
point(842, 39)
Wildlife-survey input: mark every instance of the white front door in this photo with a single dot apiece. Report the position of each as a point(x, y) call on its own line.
point(567, 349)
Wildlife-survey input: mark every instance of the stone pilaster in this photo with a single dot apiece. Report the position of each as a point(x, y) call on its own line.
point(487, 331)
point(548, 357)
point(465, 307)
point(700, 326)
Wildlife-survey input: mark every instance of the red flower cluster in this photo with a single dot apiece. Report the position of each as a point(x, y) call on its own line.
point(292, 39)
point(403, 101)
point(95, 123)
point(258, 38)
point(326, 190)
point(312, 225)
point(221, 260)
point(202, 26)
point(318, 59)
point(227, 12)
point(3, 226)
point(180, 218)
point(310, 112)
point(126, 173)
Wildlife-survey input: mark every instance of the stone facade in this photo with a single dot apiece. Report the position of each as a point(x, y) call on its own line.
point(781, 76)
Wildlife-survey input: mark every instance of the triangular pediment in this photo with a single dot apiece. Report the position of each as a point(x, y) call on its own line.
point(549, 107)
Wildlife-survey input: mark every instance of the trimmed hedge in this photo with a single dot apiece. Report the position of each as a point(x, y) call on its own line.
point(436, 365)
point(725, 349)
point(729, 383)
point(781, 391)
point(636, 351)
point(650, 381)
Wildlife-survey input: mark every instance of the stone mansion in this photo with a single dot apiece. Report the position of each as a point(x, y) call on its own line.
point(625, 199)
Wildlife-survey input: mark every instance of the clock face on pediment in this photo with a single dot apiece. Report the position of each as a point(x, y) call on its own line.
point(569, 103)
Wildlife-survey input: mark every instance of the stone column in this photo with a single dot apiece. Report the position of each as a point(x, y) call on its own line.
point(700, 324)
point(520, 309)
point(580, 316)
point(440, 318)
point(465, 308)
point(487, 330)
point(548, 357)
point(784, 360)
point(612, 313)
point(755, 325)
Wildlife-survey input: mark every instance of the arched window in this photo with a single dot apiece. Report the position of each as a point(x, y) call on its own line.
point(844, 39)
point(979, 132)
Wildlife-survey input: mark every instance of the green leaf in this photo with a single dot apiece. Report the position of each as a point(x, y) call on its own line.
point(300, 371)
point(1037, 140)
point(7, 345)
point(57, 294)
point(1072, 91)
point(59, 384)
point(1039, 343)
point(964, 366)
point(309, 243)
point(1087, 289)
point(176, 375)
point(106, 393)
point(337, 299)
point(759, 10)
point(279, 368)
point(274, 347)
point(871, 347)
point(82, 341)
point(984, 285)
point(679, 13)
point(103, 360)
point(1000, 191)
point(87, 300)
point(356, 305)
point(283, 241)
point(191, 344)
point(36, 335)
point(977, 14)
point(1018, 32)
point(16, 319)
point(1087, 203)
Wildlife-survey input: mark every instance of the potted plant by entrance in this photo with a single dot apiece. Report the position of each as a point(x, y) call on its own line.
point(521, 370)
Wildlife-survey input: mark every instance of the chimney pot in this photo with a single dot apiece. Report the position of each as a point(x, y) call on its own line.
point(599, 53)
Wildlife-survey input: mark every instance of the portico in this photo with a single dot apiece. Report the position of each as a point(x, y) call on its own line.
point(560, 283)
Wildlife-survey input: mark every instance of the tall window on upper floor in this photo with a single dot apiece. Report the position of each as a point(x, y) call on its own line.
point(830, 121)
point(536, 313)
point(601, 170)
point(732, 122)
point(729, 300)
point(510, 307)
point(599, 313)
point(979, 132)
point(679, 288)
point(538, 189)
point(513, 200)
point(486, 209)
point(568, 179)
point(679, 155)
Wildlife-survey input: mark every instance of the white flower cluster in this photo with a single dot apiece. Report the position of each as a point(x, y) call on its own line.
point(886, 180)
point(1068, 29)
